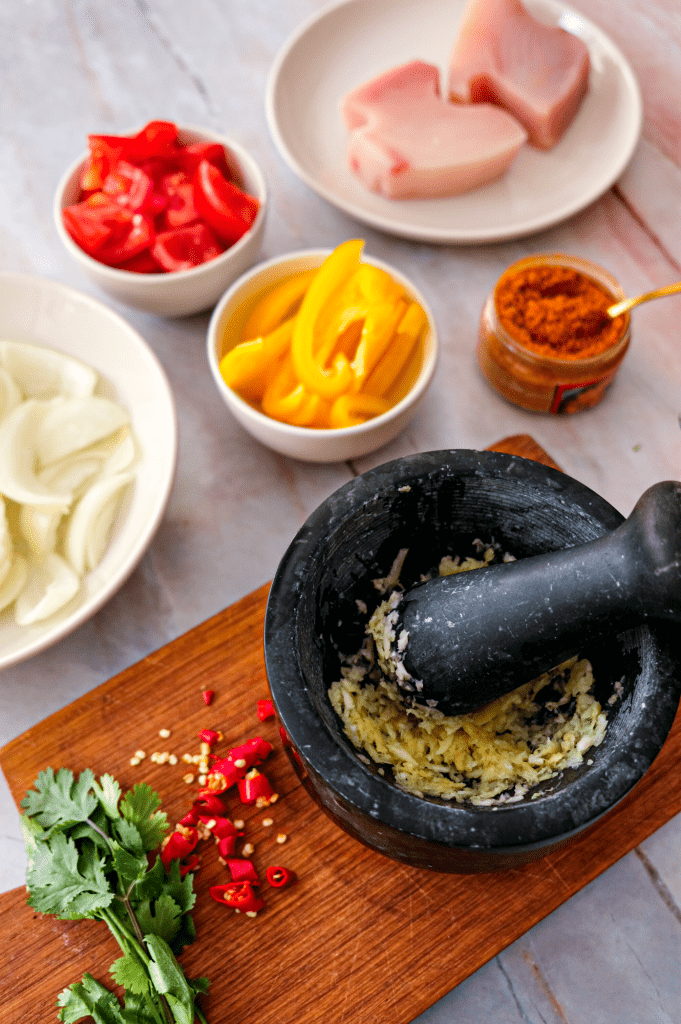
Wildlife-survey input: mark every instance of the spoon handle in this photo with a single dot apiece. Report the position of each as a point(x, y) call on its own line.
point(657, 293)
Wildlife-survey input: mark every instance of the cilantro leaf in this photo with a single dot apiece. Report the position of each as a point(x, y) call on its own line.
point(62, 883)
point(140, 807)
point(129, 867)
point(129, 971)
point(162, 919)
point(129, 836)
point(165, 972)
point(108, 793)
point(88, 998)
point(58, 800)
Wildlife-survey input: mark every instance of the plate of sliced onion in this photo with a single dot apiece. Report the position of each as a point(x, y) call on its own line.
point(88, 449)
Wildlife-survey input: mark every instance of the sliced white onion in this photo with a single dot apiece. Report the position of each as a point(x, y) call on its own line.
point(39, 525)
point(6, 543)
point(72, 424)
point(71, 474)
point(121, 458)
point(51, 584)
point(18, 480)
point(44, 372)
point(14, 581)
point(87, 534)
point(10, 394)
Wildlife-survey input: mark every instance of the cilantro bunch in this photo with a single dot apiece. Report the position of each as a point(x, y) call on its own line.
point(88, 851)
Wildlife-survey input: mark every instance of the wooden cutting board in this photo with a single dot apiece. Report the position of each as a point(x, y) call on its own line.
point(359, 938)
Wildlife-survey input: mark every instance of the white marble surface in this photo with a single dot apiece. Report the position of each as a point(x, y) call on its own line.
point(69, 67)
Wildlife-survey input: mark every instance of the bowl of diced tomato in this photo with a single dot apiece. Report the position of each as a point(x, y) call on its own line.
point(164, 218)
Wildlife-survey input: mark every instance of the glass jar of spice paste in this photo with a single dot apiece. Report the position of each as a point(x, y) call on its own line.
point(545, 341)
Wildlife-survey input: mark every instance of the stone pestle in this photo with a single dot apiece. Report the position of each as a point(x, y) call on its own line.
point(474, 636)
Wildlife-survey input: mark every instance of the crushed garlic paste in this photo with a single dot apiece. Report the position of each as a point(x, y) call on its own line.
point(490, 756)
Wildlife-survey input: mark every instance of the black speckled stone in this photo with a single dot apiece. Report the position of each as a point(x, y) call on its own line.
point(433, 504)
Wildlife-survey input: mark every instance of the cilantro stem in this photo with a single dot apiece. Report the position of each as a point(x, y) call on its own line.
point(129, 944)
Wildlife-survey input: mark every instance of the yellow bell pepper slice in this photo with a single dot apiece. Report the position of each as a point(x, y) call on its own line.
point(247, 367)
point(380, 324)
point(390, 365)
point(287, 400)
point(377, 285)
point(277, 305)
point(351, 410)
point(305, 349)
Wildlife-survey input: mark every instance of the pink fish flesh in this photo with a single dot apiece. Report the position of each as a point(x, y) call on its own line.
point(538, 73)
point(407, 142)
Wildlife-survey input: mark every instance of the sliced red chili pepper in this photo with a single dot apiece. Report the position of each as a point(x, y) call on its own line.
point(254, 787)
point(191, 864)
point(186, 248)
point(239, 895)
point(179, 845)
point(253, 751)
point(224, 827)
point(223, 775)
point(265, 709)
point(279, 877)
point(209, 736)
point(191, 818)
point(242, 870)
point(208, 697)
point(227, 846)
point(210, 805)
point(222, 204)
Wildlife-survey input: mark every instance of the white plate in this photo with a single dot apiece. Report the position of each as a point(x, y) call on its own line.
point(349, 43)
point(43, 312)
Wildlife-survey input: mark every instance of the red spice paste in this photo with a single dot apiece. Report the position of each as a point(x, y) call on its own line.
point(557, 311)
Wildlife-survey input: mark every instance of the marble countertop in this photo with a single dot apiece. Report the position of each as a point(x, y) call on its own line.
point(612, 953)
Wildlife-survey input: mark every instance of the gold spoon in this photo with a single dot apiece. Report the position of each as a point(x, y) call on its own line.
point(626, 304)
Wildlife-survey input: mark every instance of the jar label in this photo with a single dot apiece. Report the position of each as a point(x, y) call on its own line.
point(568, 398)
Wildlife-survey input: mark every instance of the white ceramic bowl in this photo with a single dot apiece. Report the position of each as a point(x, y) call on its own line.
point(42, 312)
point(184, 292)
point(306, 443)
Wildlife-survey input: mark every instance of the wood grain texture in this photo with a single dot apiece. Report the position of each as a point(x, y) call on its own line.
point(359, 937)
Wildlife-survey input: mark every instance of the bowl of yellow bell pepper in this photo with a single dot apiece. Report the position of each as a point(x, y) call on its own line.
point(323, 355)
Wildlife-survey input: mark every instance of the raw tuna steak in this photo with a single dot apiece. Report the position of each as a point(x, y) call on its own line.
point(407, 142)
point(503, 55)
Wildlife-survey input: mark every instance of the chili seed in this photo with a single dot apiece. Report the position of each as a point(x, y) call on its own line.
point(164, 733)
point(188, 778)
point(267, 822)
point(282, 837)
point(248, 849)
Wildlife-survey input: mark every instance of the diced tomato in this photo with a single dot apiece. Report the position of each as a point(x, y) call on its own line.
point(94, 221)
point(150, 204)
point(105, 152)
point(144, 263)
point(129, 186)
point(228, 210)
point(156, 139)
point(180, 208)
point(189, 157)
point(126, 244)
point(187, 247)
